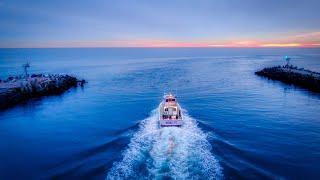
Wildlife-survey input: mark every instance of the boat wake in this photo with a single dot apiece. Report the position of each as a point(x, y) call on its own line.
point(169, 152)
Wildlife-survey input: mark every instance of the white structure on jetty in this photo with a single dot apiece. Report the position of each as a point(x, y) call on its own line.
point(25, 68)
point(287, 58)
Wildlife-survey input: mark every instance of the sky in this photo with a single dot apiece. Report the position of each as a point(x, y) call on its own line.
point(159, 23)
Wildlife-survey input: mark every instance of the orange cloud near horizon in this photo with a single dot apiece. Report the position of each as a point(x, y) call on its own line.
point(307, 39)
point(301, 40)
point(161, 44)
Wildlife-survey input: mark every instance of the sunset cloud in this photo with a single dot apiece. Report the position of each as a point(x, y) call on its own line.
point(282, 45)
point(309, 35)
point(158, 43)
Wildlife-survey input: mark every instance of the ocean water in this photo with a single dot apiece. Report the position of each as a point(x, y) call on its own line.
point(237, 125)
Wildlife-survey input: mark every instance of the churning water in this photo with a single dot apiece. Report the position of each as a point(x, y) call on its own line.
point(176, 152)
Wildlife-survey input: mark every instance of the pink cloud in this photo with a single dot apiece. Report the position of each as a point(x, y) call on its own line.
point(311, 39)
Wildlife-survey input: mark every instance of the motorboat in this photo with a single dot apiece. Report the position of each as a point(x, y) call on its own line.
point(170, 112)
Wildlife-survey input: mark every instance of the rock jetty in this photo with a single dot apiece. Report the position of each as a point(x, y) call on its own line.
point(293, 75)
point(18, 89)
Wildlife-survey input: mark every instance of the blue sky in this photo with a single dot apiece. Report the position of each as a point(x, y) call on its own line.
point(39, 23)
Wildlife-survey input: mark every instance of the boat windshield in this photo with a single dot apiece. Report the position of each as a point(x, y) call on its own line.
point(170, 100)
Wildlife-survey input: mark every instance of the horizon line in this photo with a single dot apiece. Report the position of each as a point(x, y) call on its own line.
point(156, 47)
point(237, 44)
point(301, 41)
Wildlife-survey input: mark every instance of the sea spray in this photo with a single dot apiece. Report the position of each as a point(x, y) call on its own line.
point(169, 152)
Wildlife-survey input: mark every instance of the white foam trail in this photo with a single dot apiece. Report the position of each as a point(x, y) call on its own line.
point(175, 152)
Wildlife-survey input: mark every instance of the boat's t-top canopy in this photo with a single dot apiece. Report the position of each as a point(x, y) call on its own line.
point(170, 99)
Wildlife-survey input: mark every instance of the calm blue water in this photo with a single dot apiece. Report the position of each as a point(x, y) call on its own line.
point(238, 125)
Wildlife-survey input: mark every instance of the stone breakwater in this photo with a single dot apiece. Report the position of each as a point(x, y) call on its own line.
point(16, 89)
point(293, 75)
